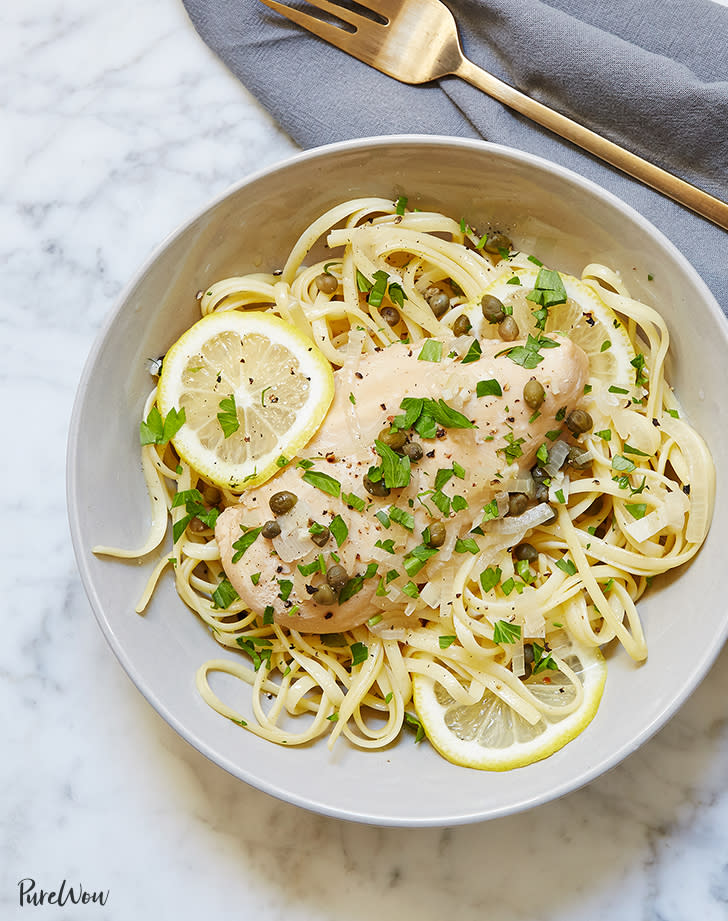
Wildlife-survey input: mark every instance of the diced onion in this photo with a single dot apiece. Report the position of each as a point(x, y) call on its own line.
point(637, 430)
point(523, 483)
point(502, 500)
point(519, 524)
point(430, 594)
point(558, 453)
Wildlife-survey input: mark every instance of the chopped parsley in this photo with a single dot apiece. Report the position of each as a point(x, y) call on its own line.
point(406, 519)
point(154, 431)
point(323, 481)
point(503, 632)
point(473, 353)
point(224, 595)
point(636, 510)
point(431, 351)
point(548, 290)
point(359, 653)
point(623, 464)
point(417, 557)
point(528, 356)
point(446, 641)
point(395, 468)
point(228, 416)
point(466, 545)
point(339, 529)
point(489, 388)
point(566, 565)
point(490, 577)
point(542, 662)
point(193, 503)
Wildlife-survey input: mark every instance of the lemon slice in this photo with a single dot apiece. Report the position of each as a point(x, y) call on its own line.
point(275, 387)
point(584, 318)
point(490, 736)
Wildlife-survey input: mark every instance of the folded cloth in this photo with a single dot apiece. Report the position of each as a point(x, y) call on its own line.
point(652, 77)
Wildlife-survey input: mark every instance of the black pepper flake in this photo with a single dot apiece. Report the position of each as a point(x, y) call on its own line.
point(656, 423)
point(359, 375)
point(430, 453)
point(440, 433)
point(686, 489)
point(327, 616)
point(311, 589)
point(383, 405)
point(279, 569)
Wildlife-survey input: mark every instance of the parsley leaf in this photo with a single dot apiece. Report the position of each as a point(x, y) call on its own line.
point(224, 595)
point(228, 418)
point(154, 431)
point(395, 467)
point(490, 577)
point(242, 543)
point(323, 481)
point(339, 529)
point(489, 388)
point(431, 351)
point(503, 632)
point(473, 353)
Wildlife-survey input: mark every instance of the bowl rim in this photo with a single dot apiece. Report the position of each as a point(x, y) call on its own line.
point(573, 783)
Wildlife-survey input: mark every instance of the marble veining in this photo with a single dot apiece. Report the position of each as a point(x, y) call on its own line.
point(117, 123)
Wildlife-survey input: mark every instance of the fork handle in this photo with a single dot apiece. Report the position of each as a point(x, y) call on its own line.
point(680, 191)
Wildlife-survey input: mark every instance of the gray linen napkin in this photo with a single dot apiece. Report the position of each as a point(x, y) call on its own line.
point(652, 77)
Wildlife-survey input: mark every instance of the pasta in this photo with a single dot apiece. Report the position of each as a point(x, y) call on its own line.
point(611, 505)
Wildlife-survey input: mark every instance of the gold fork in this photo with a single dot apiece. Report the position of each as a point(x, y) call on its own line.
point(417, 41)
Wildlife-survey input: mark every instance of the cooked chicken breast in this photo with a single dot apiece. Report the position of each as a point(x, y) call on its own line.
point(472, 463)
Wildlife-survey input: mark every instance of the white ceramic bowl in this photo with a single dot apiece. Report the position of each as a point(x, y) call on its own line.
point(568, 222)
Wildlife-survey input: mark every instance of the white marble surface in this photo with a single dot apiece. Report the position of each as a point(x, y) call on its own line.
point(117, 123)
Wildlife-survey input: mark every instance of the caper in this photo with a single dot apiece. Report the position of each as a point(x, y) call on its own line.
point(461, 326)
point(517, 503)
point(392, 438)
point(533, 393)
point(439, 304)
point(575, 452)
point(326, 283)
point(508, 329)
point(493, 308)
point(413, 450)
point(210, 494)
point(271, 529)
point(526, 552)
point(541, 493)
point(498, 241)
point(321, 537)
point(578, 422)
point(437, 534)
point(431, 291)
point(375, 488)
point(324, 594)
point(540, 477)
point(337, 577)
point(390, 315)
point(528, 658)
point(282, 502)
